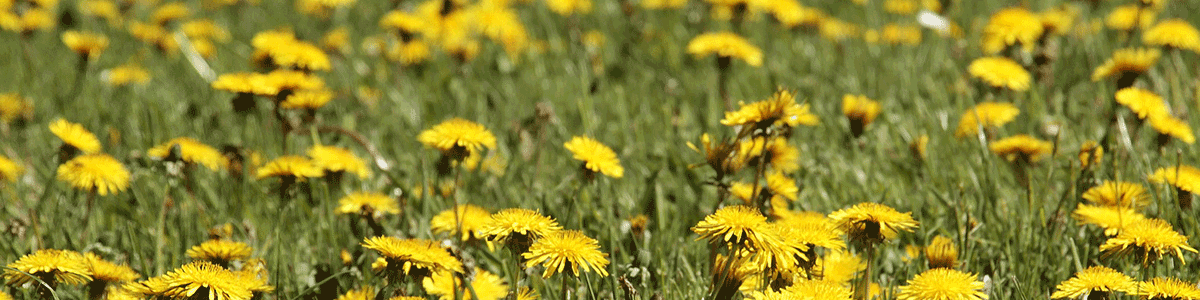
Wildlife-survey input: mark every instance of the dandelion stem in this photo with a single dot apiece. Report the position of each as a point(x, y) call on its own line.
point(863, 291)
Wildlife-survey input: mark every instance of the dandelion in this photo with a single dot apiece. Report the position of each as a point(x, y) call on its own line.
point(518, 228)
point(106, 274)
point(484, 286)
point(410, 53)
point(526, 293)
point(51, 266)
point(941, 253)
point(1112, 219)
point(1127, 64)
point(1000, 72)
point(1166, 288)
point(726, 46)
point(220, 252)
point(373, 204)
point(13, 107)
point(919, 147)
point(1130, 16)
point(1185, 180)
point(127, 74)
point(567, 249)
point(204, 29)
point(1090, 154)
point(1118, 194)
point(791, 13)
point(98, 173)
point(596, 157)
point(415, 258)
point(1143, 103)
point(1169, 127)
point(169, 12)
point(1174, 33)
point(307, 99)
point(456, 138)
point(363, 293)
point(872, 222)
point(88, 45)
point(473, 219)
point(836, 30)
point(1097, 280)
point(860, 110)
point(75, 138)
point(1010, 26)
point(190, 150)
point(733, 225)
point(942, 284)
point(204, 280)
point(779, 110)
point(839, 266)
point(337, 160)
point(9, 170)
point(569, 7)
point(986, 115)
point(1149, 240)
point(1021, 148)
point(1058, 20)
point(901, 34)
point(336, 40)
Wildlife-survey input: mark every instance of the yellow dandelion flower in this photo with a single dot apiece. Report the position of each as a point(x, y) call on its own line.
point(336, 159)
point(733, 225)
point(872, 222)
point(473, 219)
point(107, 272)
point(900, 7)
point(484, 286)
point(781, 109)
point(1142, 102)
point(254, 276)
point(662, 4)
point(1112, 219)
point(1175, 33)
point(839, 266)
point(942, 253)
point(290, 166)
point(126, 74)
point(1166, 288)
point(1126, 17)
point(155, 35)
point(32, 19)
point(456, 137)
point(410, 53)
point(986, 115)
point(1185, 178)
point(192, 151)
point(1149, 240)
point(942, 284)
point(220, 252)
point(170, 12)
point(1010, 26)
point(1090, 154)
point(105, 9)
point(1119, 194)
point(1022, 148)
point(782, 250)
point(15, 107)
point(56, 266)
point(860, 110)
point(369, 203)
point(283, 49)
point(569, 7)
point(1096, 279)
point(791, 13)
point(526, 293)
point(725, 45)
point(919, 147)
point(363, 293)
point(404, 22)
point(1058, 20)
point(816, 290)
point(837, 30)
point(1170, 127)
point(87, 44)
point(781, 185)
point(245, 83)
point(204, 280)
point(9, 170)
point(1128, 62)
point(205, 29)
point(815, 229)
point(596, 157)
point(97, 173)
point(567, 248)
point(1000, 72)
point(518, 227)
point(75, 136)
point(413, 257)
point(781, 156)
point(900, 34)
point(289, 80)
point(337, 40)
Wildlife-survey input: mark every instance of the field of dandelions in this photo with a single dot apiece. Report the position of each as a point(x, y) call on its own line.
point(599, 149)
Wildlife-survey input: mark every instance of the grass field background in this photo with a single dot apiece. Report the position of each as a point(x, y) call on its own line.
point(648, 102)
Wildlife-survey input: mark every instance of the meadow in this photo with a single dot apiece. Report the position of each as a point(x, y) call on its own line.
point(599, 149)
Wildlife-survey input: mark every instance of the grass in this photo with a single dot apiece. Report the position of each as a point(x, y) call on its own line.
point(649, 101)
